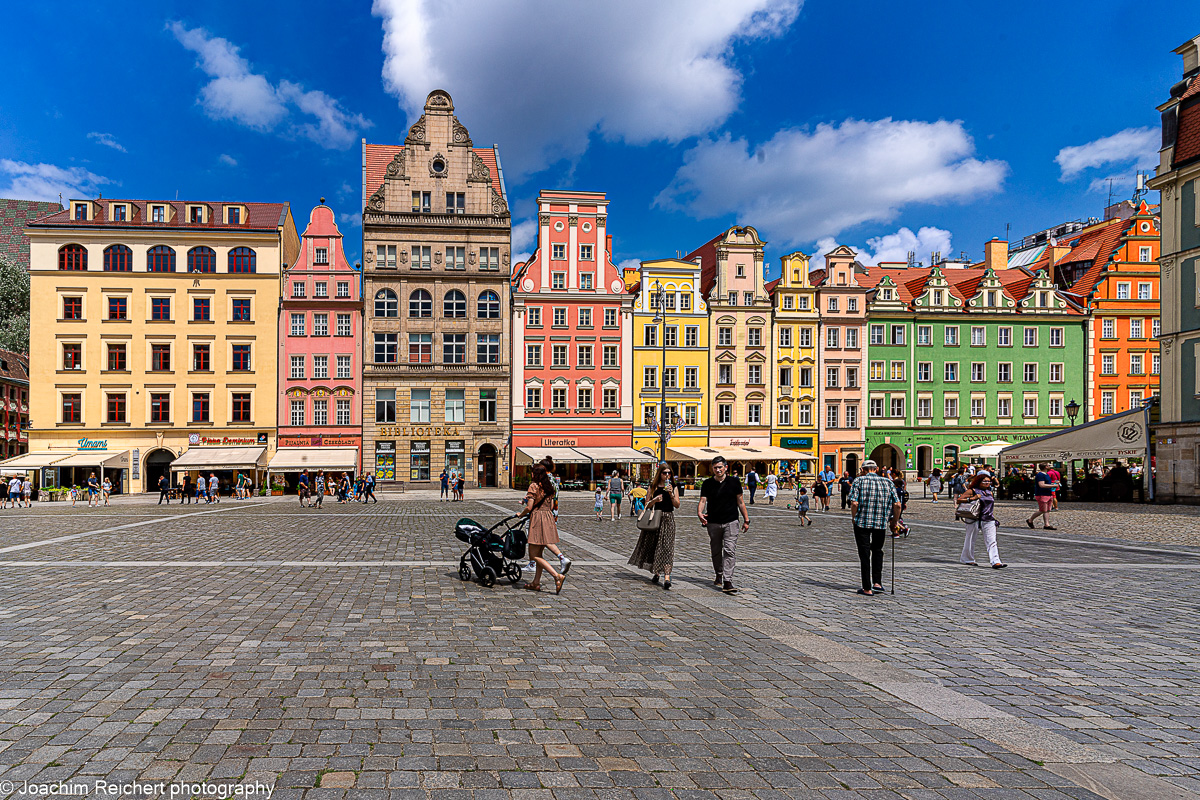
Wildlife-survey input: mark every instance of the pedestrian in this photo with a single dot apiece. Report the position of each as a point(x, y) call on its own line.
point(875, 507)
point(752, 483)
point(106, 489)
point(4, 487)
point(655, 549)
point(844, 484)
point(827, 477)
point(201, 489)
point(934, 482)
point(1043, 492)
point(444, 478)
point(564, 563)
point(983, 520)
point(721, 502)
point(772, 487)
point(319, 490)
point(369, 490)
point(821, 493)
point(163, 490)
point(186, 490)
point(74, 495)
point(462, 489)
point(542, 530)
point(93, 489)
point(599, 503)
point(802, 505)
point(1055, 478)
point(27, 492)
point(958, 483)
point(214, 488)
point(303, 490)
point(616, 491)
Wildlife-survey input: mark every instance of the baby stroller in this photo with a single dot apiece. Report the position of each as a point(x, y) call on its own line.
point(493, 554)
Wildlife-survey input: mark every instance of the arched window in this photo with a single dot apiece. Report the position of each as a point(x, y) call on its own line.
point(455, 304)
point(420, 304)
point(241, 261)
point(72, 257)
point(386, 303)
point(118, 258)
point(160, 259)
point(489, 305)
point(202, 259)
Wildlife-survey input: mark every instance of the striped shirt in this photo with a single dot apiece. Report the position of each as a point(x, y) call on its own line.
point(876, 496)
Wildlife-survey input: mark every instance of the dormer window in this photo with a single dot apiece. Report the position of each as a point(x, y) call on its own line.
point(158, 214)
point(81, 212)
point(234, 215)
point(937, 297)
point(120, 213)
point(195, 214)
point(991, 299)
point(321, 255)
point(887, 294)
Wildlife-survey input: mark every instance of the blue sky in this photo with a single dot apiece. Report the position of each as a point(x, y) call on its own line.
point(886, 126)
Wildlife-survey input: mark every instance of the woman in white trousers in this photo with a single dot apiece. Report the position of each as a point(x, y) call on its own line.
point(981, 490)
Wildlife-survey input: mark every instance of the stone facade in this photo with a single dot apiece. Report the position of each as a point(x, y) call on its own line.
point(436, 246)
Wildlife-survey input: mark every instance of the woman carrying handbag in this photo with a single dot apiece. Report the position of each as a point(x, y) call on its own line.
point(975, 507)
point(655, 550)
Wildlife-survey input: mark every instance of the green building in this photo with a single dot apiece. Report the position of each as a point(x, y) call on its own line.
point(959, 357)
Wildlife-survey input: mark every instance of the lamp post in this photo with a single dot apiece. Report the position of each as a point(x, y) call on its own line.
point(1072, 411)
point(660, 315)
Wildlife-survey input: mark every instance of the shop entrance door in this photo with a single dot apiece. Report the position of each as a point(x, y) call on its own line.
point(485, 460)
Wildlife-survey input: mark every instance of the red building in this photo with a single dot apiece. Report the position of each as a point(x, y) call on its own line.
point(572, 344)
point(14, 404)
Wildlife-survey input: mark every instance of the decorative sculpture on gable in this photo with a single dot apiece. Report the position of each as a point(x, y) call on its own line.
point(416, 134)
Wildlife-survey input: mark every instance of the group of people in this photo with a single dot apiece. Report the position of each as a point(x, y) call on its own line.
point(207, 490)
point(453, 484)
point(16, 491)
point(312, 490)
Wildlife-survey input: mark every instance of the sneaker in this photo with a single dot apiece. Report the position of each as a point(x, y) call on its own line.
point(728, 588)
point(530, 567)
point(564, 564)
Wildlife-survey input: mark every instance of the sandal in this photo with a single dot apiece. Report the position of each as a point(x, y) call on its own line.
point(532, 587)
point(558, 583)
point(866, 592)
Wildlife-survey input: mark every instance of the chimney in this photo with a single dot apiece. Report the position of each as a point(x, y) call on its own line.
point(995, 254)
point(1056, 252)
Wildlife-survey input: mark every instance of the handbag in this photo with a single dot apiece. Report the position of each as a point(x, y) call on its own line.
point(968, 511)
point(650, 519)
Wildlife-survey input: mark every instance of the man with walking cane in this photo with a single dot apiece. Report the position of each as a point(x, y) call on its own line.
point(875, 507)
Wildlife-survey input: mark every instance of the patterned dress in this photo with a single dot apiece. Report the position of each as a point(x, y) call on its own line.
point(655, 550)
point(542, 529)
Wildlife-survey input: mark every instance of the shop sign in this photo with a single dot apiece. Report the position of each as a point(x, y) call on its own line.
point(137, 463)
point(1005, 435)
point(199, 440)
point(802, 442)
point(549, 442)
point(408, 430)
point(92, 444)
point(318, 440)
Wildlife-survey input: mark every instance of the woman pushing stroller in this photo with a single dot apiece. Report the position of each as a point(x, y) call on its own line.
point(539, 507)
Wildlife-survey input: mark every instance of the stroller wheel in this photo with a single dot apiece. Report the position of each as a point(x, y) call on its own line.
point(512, 571)
point(464, 569)
point(488, 577)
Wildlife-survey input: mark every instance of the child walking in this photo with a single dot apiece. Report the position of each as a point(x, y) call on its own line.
point(802, 506)
point(599, 504)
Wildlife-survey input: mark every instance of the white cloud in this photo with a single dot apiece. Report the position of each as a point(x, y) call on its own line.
point(1138, 146)
point(350, 220)
point(805, 185)
point(107, 140)
point(48, 182)
point(227, 160)
point(896, 246)
point(627, 69)
point(629, 263)
point(237, 93)
point(524, 234)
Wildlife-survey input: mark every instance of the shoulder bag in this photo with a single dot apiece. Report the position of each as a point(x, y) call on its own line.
point(968, 511)
point(651, 518)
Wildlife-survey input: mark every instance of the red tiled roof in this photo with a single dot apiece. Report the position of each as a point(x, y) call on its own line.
point(259, 216)
point(1187, 139)
point(911, 282)
point(14, 366)
point(378, 156)
point(1096, 244)
point(707, 253)
point(14, 216)
point(771, 286)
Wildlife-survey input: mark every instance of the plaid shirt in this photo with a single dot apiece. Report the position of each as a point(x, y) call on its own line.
point(876, 496)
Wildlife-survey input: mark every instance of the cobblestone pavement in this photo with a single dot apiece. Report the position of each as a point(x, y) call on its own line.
point(335, 653)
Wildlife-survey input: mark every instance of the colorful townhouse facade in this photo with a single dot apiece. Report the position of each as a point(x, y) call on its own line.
point(670, 358)
point(156, 322)
point(959, 357)
point(320, 356)
point(14, 404)
point(572, 343)
point(437, 237)
point(842, 308)
point(796, 328)
point(1177, 434)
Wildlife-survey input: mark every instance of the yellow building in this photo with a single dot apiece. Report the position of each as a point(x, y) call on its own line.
point(670, 354)
point(795, 324)
point(154, 335)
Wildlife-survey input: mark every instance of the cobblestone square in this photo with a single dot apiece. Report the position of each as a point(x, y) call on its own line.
point(335, 653)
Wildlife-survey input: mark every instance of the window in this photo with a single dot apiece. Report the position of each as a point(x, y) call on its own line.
point(852, 416)
point(951, 336)
point(200, 407)
point(72, 356)
point(72, 407)
point(724, 374)
point(321, 367)
point(876, 370)
point(724, 414)
point(732, 299)
point(585, 318)
point(831, 337)
point(691, 377)
point(610, 398)
point(241, 358)
point(202, 259)
point(343, 366)
point(298, 289)
point(1031, 407)
point(1144, 254)
point(487, 405)
point(385, 405)
point(418, 405)
point(320, 412)
point(454, 305)
point(585, 252)
point(558, 397)
point(924, 371)
point(1030, 372)
point(533, 397)
point(897, 407)
point(951, 371)
point(978, 372)
point(1155, 327)
point(343, 289)
point(1135, 401)
point(420, 348)
point(299, 325)
point(831, 377)
point(419, 454)
point(1108, 364)
point(195, 215)
point(951, 407)
point(748, 297)
point(806, 337)
point(385, 256)
point(724, 337)
point(1056, 407)
point(610, 318)
point(897, 371)
point(118, 308)
point(488, 305)
point(72, 257)
point(235, 216)
point(978, 336)
point(876, 408)
point(241, 309)
point(118, 258)
point(558, 252)
point(1031, 337)
point(1056, 373)
point(1004, 337)
point(1136, 364)
point(534, 317)
point(650, 336)
point(785, 377)
point(924, 334)
point(422, 257)
point(422, 202)
point(649, 377)
point(754, 375)
point(116, 358)
point(1056, 337)
point(754, 337)
point(977, 409)
point(1122, 291)
point(806, 377)
point(851, 377)
point(1135, 329)
point(456, 405)
point(298, 364)
point(489, 258)
point(201, 309)
point(456, 202)
point(420, 304)
point(671, 336)
point(322, 289)
point(583, 356)
point(160, 308)
point(851, 305)
point(925, 407)
point(343, 325)
point(160, 259)
point(897, 334)
point(832, 415)
point(610, 355)
point(1004, 372)
point(1004, 407)
point(456, 257)
point(754, 414)
point(116, 408)
point(386, 347)
point(558, 280)
point(533, 355)
point(160, 407)
point(120, 213)
point(201, 361)
point(833, 304)
point(685, 302)
point(487, 348)
point(558, 356)
point(877, 332)
point(1155, 363)
point(583, 397)
point(691, 336)
point(1144, 291)
point(454, 348)
point(320, 324)
point(787, 302)
point(160, 357)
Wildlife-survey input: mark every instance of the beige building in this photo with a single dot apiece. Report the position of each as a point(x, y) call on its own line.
point(436, 247)
point(153, 331)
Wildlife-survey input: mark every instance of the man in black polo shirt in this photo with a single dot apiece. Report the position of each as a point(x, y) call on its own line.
point(720, 504)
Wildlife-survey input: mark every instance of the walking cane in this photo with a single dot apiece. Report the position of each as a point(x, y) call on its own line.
point(893, 562)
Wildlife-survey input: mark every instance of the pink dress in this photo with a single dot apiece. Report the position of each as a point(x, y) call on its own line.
point(542, 530)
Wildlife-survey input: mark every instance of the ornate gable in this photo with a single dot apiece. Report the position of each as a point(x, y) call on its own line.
point(887, 296)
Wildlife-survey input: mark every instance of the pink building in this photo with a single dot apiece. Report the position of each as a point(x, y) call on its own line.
point(572, 344)
point(320, 364)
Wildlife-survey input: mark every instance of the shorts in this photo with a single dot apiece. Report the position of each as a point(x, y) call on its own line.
point(1045, 502)
point(615, 498)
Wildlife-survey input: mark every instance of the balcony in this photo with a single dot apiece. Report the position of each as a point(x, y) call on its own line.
point(443, 368)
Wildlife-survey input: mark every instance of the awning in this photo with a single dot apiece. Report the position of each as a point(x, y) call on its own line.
point(693, 453)
point(219, 458)
point(616, 455)
point(561, 455)
point(34, 460)
point(294, 459)
point(1119, 436)
point(95, 458)
point(768, 452)
point(988, 450)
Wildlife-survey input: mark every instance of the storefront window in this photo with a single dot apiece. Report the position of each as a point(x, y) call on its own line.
point(418, 456)
point(456, 456)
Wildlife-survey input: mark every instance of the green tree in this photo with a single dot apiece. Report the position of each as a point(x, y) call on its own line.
point(14, 307)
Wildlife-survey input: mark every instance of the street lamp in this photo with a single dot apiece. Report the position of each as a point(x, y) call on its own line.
point(1072, 411)
point(660, 315)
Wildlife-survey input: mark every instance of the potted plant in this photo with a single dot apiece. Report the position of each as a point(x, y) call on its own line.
point(277, 486)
